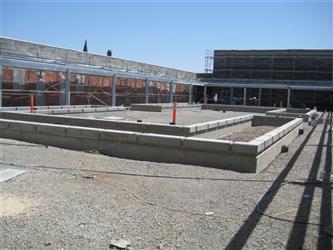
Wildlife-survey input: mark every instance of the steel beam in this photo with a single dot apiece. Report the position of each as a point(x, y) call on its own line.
point(288, 97)
point(171, 92)
point(40, 98)
point(231, 96)
point(205, 94)
point(272, 86)
point(68, 87)
point(64, 94)
point(0, 85)
point(259, 97)
point(147, 91)
point(114, 94)
point(126, 96)
point(39, 64)
point(190, 94)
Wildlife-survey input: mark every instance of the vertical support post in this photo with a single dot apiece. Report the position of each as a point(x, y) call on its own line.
point(147, 91)
point(64, 96)
point(68, 88)
point(271, 98)
point(244, 97)
point(114, 94)
point(231, 96)
point(0, 86)
point(126, 96)
point(171, 84)
point(259, 97)
point(40, 98)
point(190, 94)
point(205, 95)
point(79, 86)
point(288, 97)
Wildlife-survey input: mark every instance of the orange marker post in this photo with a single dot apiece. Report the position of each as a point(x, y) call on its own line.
point(174, 113)
point(206, 103)
point(32, 104)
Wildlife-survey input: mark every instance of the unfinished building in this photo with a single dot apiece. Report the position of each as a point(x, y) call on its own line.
point(100, 152)
point(289, 78)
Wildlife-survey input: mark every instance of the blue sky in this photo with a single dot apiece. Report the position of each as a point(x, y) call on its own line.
point(170, 33)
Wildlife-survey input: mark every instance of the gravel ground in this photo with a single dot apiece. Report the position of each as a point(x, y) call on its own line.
point(68, 209)
point(185, 116)
point(247, 135)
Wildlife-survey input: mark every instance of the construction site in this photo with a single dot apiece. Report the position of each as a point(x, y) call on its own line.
point(100, 152)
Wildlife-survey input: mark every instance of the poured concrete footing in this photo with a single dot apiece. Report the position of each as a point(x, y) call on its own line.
point(291, 112)
point(238, 156)
point(158, 107)
point(238, 108)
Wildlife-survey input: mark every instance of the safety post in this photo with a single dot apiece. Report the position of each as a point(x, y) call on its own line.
point(32, 104)
point(174, 113)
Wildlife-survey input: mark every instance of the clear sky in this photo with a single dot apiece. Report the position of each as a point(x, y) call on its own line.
point(170, 33)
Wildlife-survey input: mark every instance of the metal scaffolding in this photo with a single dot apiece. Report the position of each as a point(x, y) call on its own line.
point(60, 83)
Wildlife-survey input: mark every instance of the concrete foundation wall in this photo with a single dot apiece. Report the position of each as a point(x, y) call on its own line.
point(216, 133)
point(267, 156)
point(161, 106)
point(138, 146)
point(95, 123)
point(23, 48)
point(254, 109)
point(38, 108)
point(237, 156)
point(226, 125)
point(300, 113)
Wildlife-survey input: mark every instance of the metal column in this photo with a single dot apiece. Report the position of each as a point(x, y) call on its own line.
point(114, 94)
point(0, 86)
point(64, 96)
point(79, 85)
point(126, 96)
point(68, 88)
point(259, 97)
point(288, 97)
point(231, 96)
point(147, 91)
point(40, 98)
point(205, 94)
point(171, 92)
point(244, 97)
point(190, 94)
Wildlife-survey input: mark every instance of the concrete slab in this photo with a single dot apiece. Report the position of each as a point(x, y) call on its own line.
point(8, 172)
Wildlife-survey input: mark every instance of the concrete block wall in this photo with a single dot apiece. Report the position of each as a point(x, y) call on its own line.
point(303, 113)
point(29, 49)
point(226, 125)
point(238, 108)
point(161, 106)
point(134, 145)
point(38, 108)
point(237, 156)
point(95, 123)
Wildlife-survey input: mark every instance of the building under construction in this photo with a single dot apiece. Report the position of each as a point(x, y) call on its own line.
point(292, 78)
point(58, 76)
point(100, 152)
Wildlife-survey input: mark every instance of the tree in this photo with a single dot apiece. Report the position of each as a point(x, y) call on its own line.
point(109, 53)
point(85, 47)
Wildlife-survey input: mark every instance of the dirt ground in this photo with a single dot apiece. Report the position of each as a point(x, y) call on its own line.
point(248, 134)
point(80, 200)
point(185, 116)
